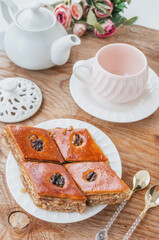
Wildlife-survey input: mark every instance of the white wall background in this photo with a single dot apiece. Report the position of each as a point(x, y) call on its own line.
point(146, 10)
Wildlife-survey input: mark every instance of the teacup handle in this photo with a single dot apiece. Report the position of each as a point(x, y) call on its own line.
point(82, 64)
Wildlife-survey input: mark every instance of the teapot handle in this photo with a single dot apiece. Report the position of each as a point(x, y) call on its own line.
point(5, 6)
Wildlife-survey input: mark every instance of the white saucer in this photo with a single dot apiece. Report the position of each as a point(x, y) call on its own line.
point(23, 199)
point(136, 110)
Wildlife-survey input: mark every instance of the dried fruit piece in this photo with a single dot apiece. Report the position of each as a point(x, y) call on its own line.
point(91, 176)
point(33, 138)
point(77, 140)
point(36, 142)
point(70, 128)
point(64, 131)
point(58, 180)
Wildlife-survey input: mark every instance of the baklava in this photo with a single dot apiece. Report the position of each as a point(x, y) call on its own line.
point(77, 145)
point(98, 182)
point(31, 144)
point(51, 187)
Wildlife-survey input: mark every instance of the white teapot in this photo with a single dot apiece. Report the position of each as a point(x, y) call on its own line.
point(35, 39)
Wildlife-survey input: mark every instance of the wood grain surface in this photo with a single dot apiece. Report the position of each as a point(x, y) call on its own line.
point(137, 143)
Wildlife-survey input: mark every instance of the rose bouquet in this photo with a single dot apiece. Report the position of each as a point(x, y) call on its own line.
point(102, 16)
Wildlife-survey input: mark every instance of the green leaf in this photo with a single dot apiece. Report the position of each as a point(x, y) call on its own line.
point(91, 18)
point(118, 1)
point(116, 17)
point(99, 27)
point(128, 1)
point(83, 21)
point(101, 1)
point(89, 2)
point(90, 27)
point(102, 20)
point(102, 8)
point(131, 21)
point(121, 6)
point(122, 21)
point(122, 1)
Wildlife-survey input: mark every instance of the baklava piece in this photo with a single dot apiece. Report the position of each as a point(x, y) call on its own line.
point(51, 187)
point(31, 144)
point(98, 182)
point(77, 145)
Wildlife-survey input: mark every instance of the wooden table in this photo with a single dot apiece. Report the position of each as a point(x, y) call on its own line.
point(138, 145)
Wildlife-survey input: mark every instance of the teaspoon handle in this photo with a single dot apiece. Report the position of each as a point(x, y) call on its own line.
point(132, 228)
point(115, 215)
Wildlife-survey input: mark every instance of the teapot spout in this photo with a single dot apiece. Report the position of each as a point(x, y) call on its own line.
point(60, 49)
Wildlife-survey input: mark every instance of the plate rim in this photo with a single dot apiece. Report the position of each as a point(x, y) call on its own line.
point(101, 207)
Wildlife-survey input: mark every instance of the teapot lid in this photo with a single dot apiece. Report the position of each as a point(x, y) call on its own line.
point(36, 17)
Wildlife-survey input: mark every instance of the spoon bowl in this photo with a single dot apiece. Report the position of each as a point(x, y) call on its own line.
point(151, 199)
point(141, 180)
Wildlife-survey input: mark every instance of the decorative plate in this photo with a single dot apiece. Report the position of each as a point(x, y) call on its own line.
point(23, 199)
point(20, 99)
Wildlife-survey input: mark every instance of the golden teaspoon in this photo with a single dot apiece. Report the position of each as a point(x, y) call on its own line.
point(151, 200)
point(140, 181)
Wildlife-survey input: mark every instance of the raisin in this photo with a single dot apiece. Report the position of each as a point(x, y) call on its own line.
point(57, 180)
point(36, 142)
point(77, 140)
point(91, 176)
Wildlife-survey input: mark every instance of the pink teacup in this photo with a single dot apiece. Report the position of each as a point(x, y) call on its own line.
point(118, 72)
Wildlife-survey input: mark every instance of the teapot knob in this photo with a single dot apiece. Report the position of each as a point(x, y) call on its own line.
point(9, 84)
point(36, 5)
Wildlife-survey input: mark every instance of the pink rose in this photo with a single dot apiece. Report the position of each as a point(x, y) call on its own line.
point(99, 14)
point(79, 29)
point(86, 8)
point(63, 15)
point(76, 10)
point(109, 29)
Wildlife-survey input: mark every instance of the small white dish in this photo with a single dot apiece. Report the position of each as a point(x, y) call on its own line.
point(23, 199)
point(20, 99)
point(133, 111)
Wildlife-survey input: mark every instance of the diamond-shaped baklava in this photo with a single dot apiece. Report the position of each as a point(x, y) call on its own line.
point(31, 144)
point(99, 183)
point(51, 187)
point(77, 145)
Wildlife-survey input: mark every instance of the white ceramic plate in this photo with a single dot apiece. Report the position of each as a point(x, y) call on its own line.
point(96, 106)
point(24, 200)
